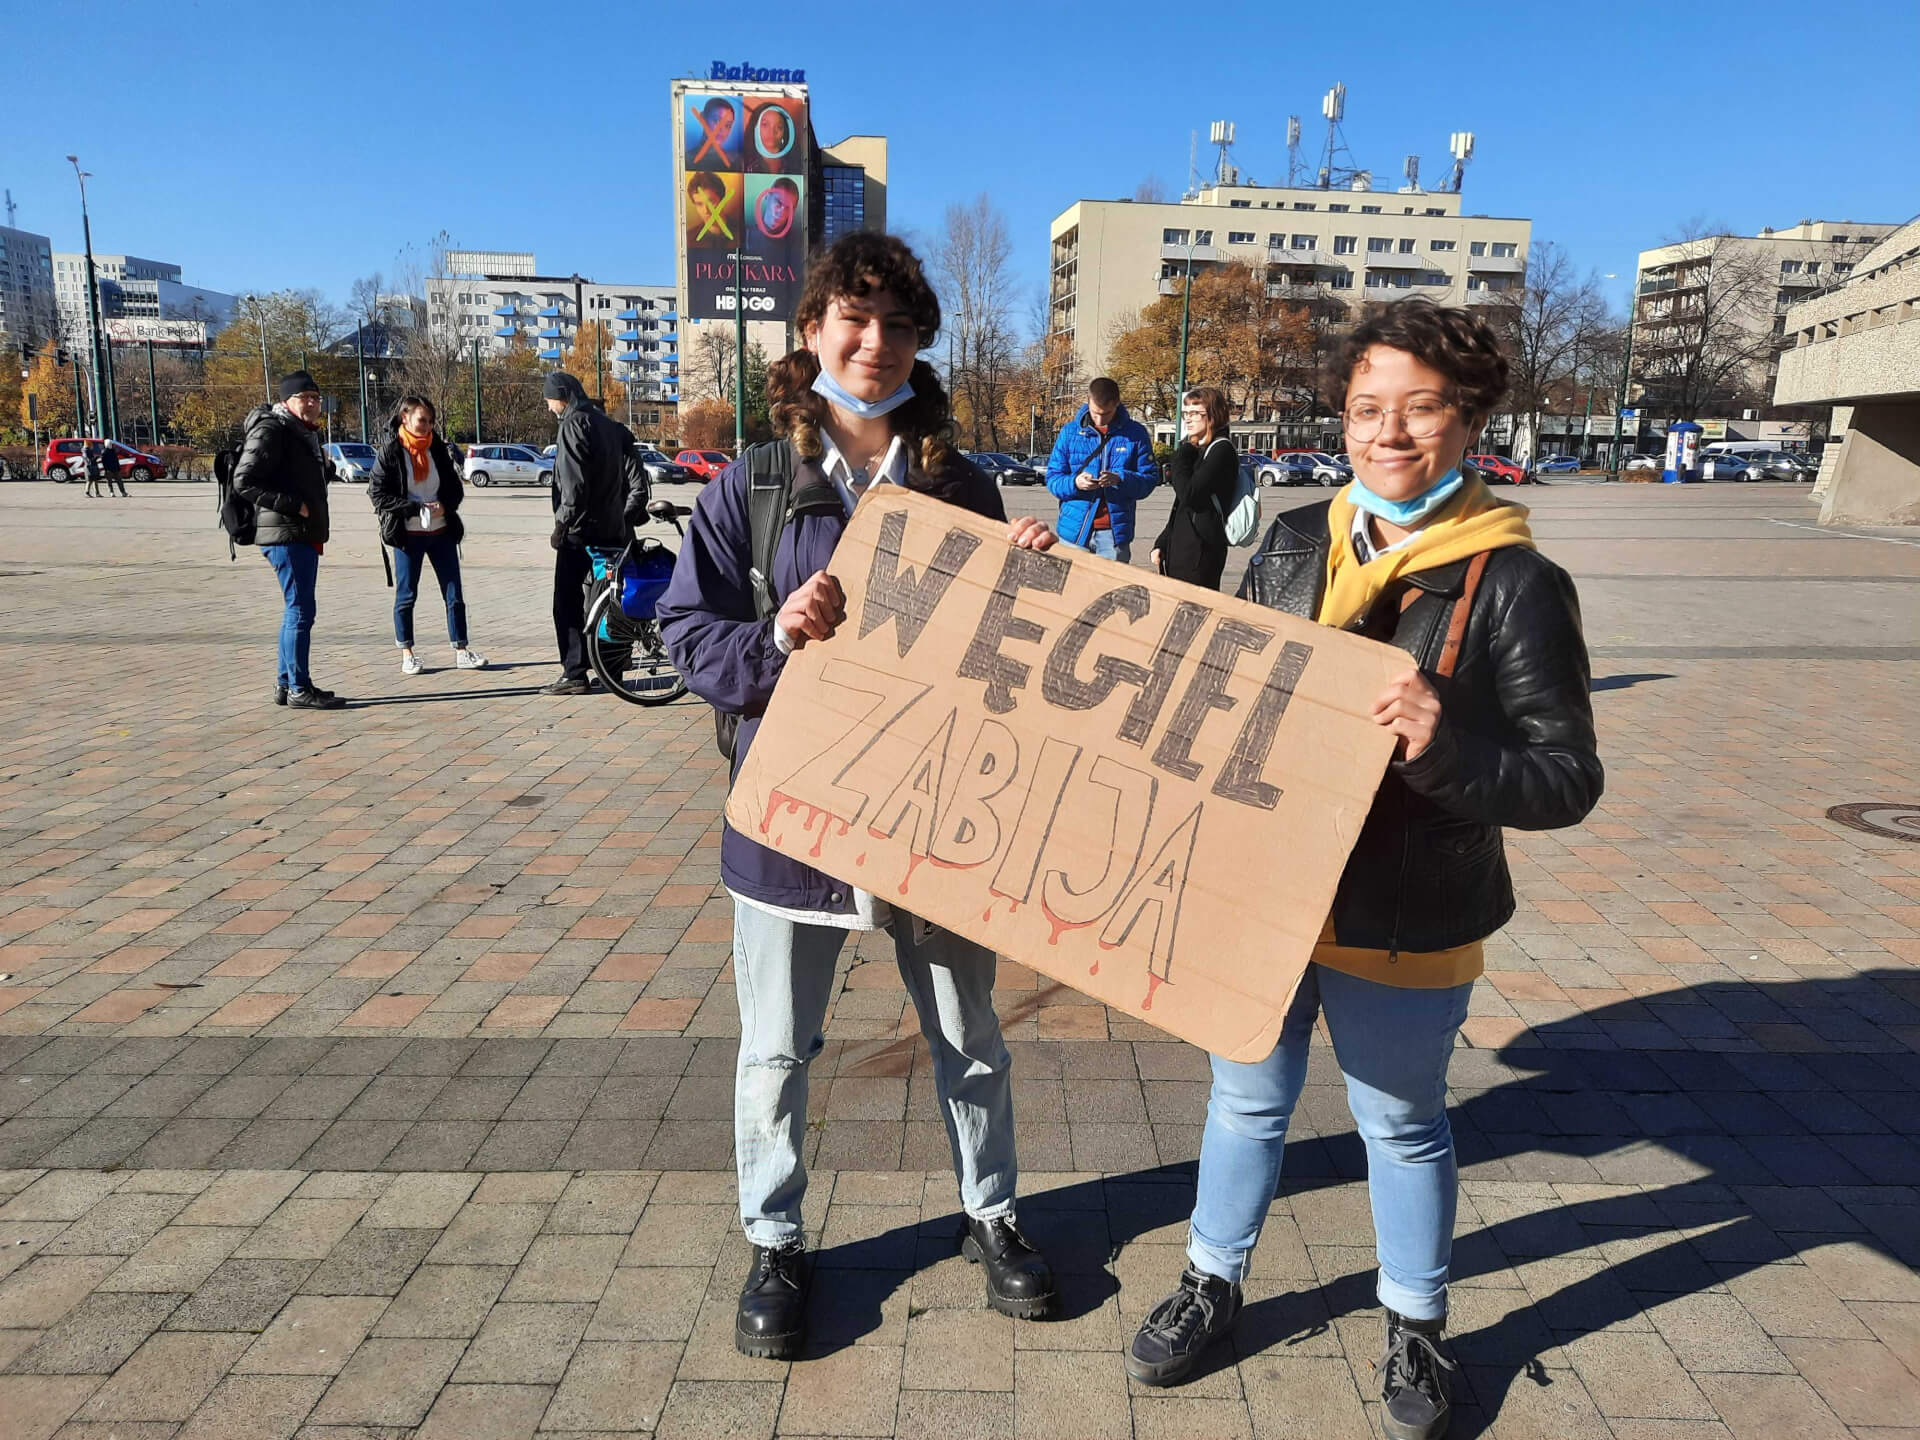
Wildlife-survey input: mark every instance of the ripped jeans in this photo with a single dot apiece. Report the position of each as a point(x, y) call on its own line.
point(783, 972)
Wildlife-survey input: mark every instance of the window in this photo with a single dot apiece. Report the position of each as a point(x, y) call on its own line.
point(1203, 237)
point(1434, 277)
point(1842, 267)
point(1173, 237)
point(1789, 267)
point(1239, 204)
point(1474, 282)
point(1369, 209)
point(1276, 241)
point(1389, 280)
point(1379, 245)
point(1342, 280)
point(1436, 212)
point(1338, 209)
point(1240, 237)
point(1440, 244)
point(1840, 239)
point(1305, 242)
point(1406, 247)
point(1505, 250)
point(1813, 267)
point(1345, 244)
point(1476, 247)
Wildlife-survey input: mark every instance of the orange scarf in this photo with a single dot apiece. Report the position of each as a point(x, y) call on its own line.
point(420, 450)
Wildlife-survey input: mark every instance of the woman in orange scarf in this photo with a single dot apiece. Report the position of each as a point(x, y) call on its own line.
point(1495, 729)
point(416, 493)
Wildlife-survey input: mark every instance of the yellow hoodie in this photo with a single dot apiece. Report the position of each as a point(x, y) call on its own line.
point(1471, 522)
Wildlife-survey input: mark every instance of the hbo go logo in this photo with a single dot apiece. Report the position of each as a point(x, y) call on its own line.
point(750, 302)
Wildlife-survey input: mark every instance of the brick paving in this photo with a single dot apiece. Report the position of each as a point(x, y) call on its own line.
point(368, 1074)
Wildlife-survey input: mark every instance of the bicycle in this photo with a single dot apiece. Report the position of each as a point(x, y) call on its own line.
point(623, 639)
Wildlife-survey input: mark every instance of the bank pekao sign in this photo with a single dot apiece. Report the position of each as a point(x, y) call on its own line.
point(755, 74)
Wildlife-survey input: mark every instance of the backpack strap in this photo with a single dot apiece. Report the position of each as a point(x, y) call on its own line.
point(769, 488)
point(1462, 608)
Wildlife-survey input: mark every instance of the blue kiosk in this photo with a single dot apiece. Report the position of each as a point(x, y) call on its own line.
point(1683, 453)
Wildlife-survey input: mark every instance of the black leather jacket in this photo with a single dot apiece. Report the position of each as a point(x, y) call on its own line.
point(590, 478)
point(279, 470)
point(1515, 745)
point(391, 503)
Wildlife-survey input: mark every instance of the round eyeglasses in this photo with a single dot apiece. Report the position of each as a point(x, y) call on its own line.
point(1422, 420)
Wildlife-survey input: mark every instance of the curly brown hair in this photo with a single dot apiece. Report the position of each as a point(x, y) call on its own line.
point(1458, 343)
point(857, 265)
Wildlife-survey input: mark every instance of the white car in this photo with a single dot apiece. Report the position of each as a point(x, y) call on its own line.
point(506, 465)
point(352, 461)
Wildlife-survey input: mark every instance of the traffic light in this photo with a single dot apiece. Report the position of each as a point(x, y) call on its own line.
point(61, 356)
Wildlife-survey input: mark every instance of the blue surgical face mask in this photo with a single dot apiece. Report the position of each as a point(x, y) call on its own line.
point(1406, 512)
point(825, 385)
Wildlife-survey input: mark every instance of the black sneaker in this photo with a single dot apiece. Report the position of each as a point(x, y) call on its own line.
point(314, 700)
point(1019, 1281)
point(771, 1323)
point(568, 685)
point(279, 694)
point(1413, 1380)
point(1170, 1340)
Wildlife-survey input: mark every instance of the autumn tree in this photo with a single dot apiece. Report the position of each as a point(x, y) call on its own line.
point(973, 259)
point(297, 326)
point(706, 425)
point(590, 359)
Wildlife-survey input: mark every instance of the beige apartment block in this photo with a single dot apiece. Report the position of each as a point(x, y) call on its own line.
point(1857, 348)
point(1737, 290)
point(1333, 250)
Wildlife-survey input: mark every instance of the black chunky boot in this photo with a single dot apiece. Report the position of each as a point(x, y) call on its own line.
point(1413, 1371)
point(772, 1320)
point(1171, 1339)
point(1019, 1280)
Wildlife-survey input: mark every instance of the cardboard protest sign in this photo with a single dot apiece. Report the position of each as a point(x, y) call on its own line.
point(1144, 790)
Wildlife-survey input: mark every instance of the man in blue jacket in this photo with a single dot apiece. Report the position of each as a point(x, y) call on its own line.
point(1102, 466)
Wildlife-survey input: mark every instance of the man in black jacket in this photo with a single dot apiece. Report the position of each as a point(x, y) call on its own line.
point(589, 508)
point(282, 472)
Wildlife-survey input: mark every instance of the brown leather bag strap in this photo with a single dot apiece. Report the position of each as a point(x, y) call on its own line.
point(1462, 608)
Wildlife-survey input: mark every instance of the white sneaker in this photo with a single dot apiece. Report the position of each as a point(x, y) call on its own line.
point(469, 660)
point(410, 666)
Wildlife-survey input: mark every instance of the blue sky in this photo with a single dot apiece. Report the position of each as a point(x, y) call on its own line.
point(268, 146)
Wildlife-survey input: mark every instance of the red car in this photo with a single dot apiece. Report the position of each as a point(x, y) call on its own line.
point(1499, 470)
point(64, 461)
point(704, 463)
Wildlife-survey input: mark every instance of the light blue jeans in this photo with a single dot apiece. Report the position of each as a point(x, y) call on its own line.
point(1393, 1045)
point(783, 979)
point(1100, 542)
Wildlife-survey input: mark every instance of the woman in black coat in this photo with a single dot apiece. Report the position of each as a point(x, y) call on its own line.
point(416, 493)
point(1205, 472)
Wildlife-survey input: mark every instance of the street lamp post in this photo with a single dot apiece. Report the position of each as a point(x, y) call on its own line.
point(153, 402)
point(1619, 409)
point(1186, 310)
point(93, 294)
point(252, 302)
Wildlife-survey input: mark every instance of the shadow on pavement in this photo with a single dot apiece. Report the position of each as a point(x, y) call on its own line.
point(1624, 682)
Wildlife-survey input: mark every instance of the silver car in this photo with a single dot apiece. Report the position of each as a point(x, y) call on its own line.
point(351, 461)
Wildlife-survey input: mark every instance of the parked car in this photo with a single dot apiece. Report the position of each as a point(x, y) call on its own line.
point(1290, 467)
point(1499, 470)
point(1005, 469)
point(1645, 462)
point(506, 465)
point(662, 471)
point(705, 464)
point(1555, 465)
point(1328, 470)
point(351, 460)
point(63, 460)
point(1779, 465)
point(1723, 465)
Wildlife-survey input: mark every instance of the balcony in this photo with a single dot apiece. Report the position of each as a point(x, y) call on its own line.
point(1497, 264)
point(1201, 253)
point(553, 354)
point(628, 314)
point(507, 310)
point(1376, 260)
point(668, 337)
point(552, 312)
point(666, 315)
point(1483, 297)
point(630, 337)
point(1283, 255)
point(506, 332)
point(552, 332)
point(629, 357)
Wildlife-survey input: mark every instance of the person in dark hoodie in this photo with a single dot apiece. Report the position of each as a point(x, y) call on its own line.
point(416, 493)
point(283, 474)
point(590, 507)
point(855, 409)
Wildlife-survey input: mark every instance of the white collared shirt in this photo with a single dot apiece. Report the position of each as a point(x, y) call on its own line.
point(1365, 548)
point(892, 471)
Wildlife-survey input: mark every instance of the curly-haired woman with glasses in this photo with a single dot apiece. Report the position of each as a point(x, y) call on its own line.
point(1494, 728)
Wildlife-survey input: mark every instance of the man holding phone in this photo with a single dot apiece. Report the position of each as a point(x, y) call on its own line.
point(1102, 466)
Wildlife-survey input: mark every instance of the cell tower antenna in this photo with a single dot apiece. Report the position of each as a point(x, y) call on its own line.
point(11, 209)
point(1295, 166)
point(1220, 136)
point(1193, 164)
point(1336, 161)
point(1460, 146)
point(1412, 172)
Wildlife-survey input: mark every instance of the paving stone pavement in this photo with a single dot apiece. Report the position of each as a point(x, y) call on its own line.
point(369, 1074)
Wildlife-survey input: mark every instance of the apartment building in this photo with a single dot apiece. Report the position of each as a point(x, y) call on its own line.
point(500, 300)
point(1331, 250)
point(27, 312)
point(1710, 313)
point(132, 288)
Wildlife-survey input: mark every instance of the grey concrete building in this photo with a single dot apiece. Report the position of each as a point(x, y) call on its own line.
point(133, 288)
point(1857, 348)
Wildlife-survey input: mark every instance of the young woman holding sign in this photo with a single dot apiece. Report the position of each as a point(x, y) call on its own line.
point(1494, 729)
point(855, 408)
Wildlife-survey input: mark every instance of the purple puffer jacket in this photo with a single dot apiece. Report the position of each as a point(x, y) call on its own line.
point(728, 656)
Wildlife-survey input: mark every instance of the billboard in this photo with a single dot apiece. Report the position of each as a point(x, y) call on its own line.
point(134, 329)
point(740, 172)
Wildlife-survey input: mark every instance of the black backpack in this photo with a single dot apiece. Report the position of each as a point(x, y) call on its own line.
point(769, 493)
point(237, 515)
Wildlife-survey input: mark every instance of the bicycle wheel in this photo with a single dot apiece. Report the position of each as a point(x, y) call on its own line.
point(631, 661)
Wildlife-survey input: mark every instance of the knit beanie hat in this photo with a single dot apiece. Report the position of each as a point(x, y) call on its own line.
point(294, 384)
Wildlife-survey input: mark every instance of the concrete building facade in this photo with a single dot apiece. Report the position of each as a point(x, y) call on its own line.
point(1710, 314)
point(28, 314)
point(500, 300)
point(132, 288)
point(1857, 348)
point(1331, 250)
